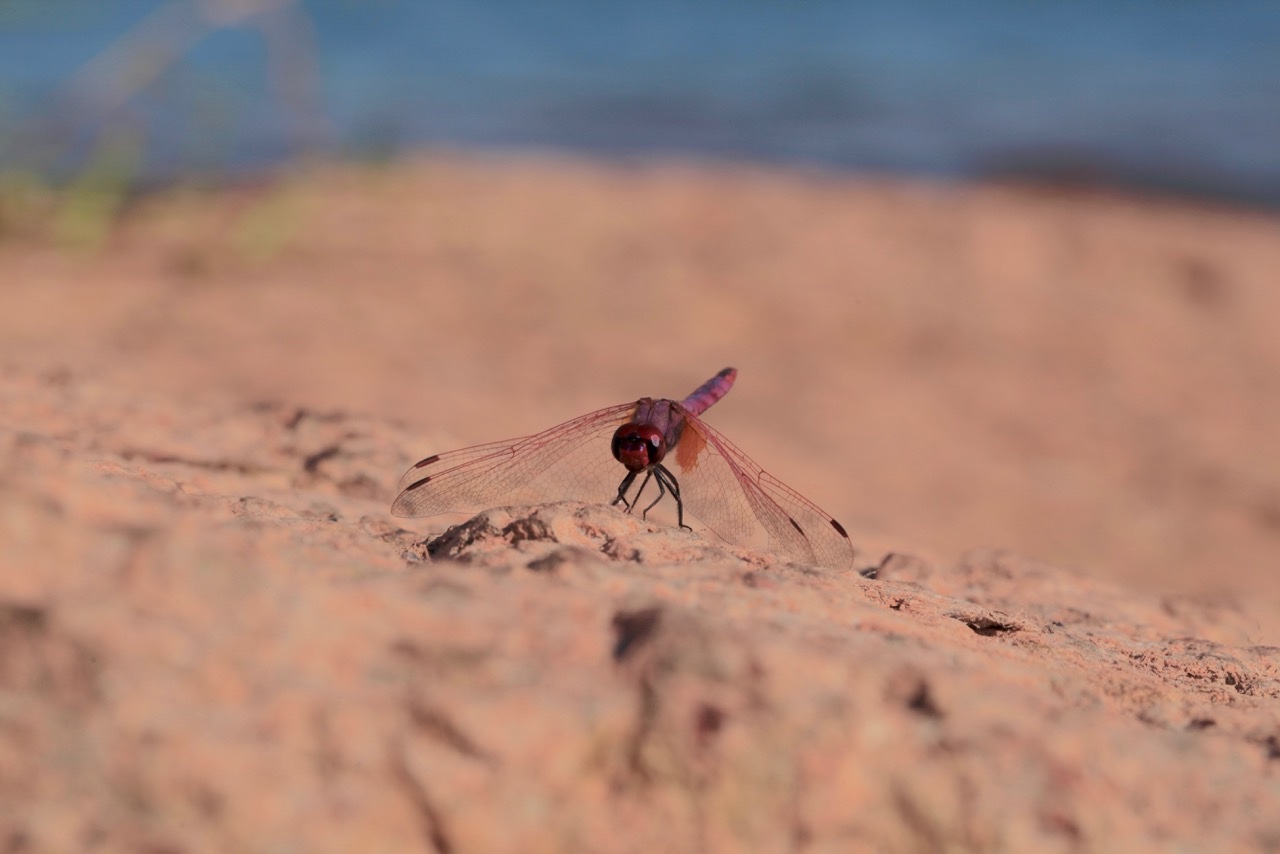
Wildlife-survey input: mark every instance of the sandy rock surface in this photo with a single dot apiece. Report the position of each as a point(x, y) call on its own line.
point(219, 641)
point(214, 636)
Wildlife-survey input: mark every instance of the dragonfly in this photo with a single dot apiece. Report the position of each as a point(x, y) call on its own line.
point(662, 444)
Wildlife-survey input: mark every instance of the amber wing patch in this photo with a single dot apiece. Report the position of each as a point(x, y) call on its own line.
point(690, 447)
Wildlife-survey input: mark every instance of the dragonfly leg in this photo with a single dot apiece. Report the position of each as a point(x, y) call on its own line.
point(626, 484)
point(622, 491)
point(662, 490)
point(664, 475)
point(636, 500)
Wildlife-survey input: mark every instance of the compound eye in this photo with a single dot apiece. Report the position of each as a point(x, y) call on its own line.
point(638, 446)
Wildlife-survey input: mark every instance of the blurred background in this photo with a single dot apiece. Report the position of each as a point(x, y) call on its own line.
point(1167, 95)
point(997, 273)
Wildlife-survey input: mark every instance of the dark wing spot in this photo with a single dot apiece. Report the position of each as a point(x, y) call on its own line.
point(428, 461)
point(838, 527)
point(794, 525)
point(411, 487)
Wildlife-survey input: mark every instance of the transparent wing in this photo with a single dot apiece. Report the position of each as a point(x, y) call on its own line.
point(570, 460)
point(733, 496)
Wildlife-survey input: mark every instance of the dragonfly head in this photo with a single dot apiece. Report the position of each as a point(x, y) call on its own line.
point(638, 446)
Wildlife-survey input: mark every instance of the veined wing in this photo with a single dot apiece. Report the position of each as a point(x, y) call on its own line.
point(570, 460)
point(741, 502)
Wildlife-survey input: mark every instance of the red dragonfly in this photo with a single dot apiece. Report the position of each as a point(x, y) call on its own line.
point(663, 440)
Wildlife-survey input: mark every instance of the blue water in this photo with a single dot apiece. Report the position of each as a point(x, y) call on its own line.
point(1172, 94)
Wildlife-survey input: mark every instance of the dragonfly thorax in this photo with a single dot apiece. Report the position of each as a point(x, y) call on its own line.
point(638, 446)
